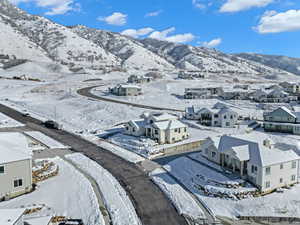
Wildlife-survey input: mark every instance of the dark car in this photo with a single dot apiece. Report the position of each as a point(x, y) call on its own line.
point(51, 124)
point(72, 222)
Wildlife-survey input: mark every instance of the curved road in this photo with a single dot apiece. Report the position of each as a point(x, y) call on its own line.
point(152, 206)
point(87, 93)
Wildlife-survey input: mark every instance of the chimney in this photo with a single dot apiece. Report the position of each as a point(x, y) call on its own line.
point(267, 143)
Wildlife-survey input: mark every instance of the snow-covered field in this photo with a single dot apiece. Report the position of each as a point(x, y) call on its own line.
point(6, 121)
point(182, 200)
point(120, 208)
point(67, 194)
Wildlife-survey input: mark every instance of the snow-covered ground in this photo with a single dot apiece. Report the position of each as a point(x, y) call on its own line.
point(182, 200)
point(275, 204)
point(120, 208)
point(67, 194)
point(6, 121)
point(44, 139)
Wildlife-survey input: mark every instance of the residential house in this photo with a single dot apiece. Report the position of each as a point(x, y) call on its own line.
point(256, 161)
point(274, 96)
point(282, 120)
point(190, 75)
point(161, 127)
point(138, 79)
point(126, 90)
point(291, 88)
point(12, 216)
point(203, 93)
point(218, 116)
point(235, 95)
point(15, 165)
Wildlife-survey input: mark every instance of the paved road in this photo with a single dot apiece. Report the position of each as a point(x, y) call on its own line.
point(87, 93)
point(152, 206)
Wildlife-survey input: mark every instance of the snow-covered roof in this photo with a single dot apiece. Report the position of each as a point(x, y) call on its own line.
point(10, 216)
point(168, 125)
point(258, 153)
point(129, 86)
point(163, 117)
point(44, 220)
point(14, 147)
point(137, 123)
point(241, 152)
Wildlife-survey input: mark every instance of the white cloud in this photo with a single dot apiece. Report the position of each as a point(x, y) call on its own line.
point(55, 7)
point(273, 22)
point(137, 33)
point(178, 38)
point(213, 43)
point(199, 4)
point(117, 19)
point(155, 13)
point(240, 5)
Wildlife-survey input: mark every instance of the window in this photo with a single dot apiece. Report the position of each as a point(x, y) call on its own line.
point(268, 170)
point(133, 129)
point(179, 130)
point(213, 154)
point(176, 130)
point(231, 117)
point(227, 124)
point(268, 184)
point(293, 178)
point(18, 183)
point(280, 180)
point(281, 166)
point(225, 117)
point(127, 128)
point(294, 164)
point(216, 115)
point(156, 131)
point(185, 129)
point(2, 169)
point(253, 169)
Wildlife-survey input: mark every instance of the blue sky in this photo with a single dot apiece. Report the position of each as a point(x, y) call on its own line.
point(262, 26)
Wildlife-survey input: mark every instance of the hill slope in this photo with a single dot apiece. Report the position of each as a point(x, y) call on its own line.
point(291, 65)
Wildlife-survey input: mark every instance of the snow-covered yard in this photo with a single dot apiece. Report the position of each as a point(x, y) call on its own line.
point(67, 194)
point(120, 208)
point(276, 204)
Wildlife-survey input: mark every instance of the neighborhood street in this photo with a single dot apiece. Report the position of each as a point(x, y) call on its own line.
point(151, 204)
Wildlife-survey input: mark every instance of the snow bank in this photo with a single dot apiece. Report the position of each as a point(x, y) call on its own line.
point(182, 200)
point(121, 210)
point(6, 121)
point(44, 139)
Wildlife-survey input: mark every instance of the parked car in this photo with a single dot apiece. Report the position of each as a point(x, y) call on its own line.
point(51, 124)
point(72, 222)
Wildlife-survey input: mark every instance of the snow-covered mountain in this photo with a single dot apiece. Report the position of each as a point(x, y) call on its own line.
point(58, 42)
point(291, 65)
point(35, 38)
point(189, 57)
point(132, 52)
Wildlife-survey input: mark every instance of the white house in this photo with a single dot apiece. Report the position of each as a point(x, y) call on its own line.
point(218, 116)
point(275, 96)
point(292, 88)
point(203, 93)
point(162, 127)
point(138, 79)
point(12, 216)
point(282, 120)
point(126, 90)
point(15, 165)
point(255, 160)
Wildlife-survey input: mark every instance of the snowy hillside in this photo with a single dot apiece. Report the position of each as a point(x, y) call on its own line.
point(60, 43)
point(16, 45)
point(288, 64)
point(132, 53)
point(189, 57)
